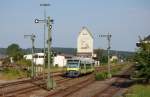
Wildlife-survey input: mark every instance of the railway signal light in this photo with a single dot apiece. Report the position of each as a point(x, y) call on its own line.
point(36, 21)
point(50, 82)
point(33, 67)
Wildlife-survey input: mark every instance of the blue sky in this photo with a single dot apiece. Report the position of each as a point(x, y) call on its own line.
point(124, 19)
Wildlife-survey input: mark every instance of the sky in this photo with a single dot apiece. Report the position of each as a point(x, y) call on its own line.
point(124, 19)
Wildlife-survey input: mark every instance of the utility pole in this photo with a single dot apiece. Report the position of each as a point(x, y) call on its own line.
point(44, 5)
point(32, 37)
point(50, 82)
point(108, 36)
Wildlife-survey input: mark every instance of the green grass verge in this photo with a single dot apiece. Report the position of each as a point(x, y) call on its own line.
point(101, 76)
point(56, 69)
point(114, 70)
point(12, 73)
point(138, 91)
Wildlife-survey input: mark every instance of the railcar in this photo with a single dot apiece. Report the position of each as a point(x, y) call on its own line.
point(79, 66)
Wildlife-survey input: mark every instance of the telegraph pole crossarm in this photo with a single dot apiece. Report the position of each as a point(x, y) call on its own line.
point(108, 36)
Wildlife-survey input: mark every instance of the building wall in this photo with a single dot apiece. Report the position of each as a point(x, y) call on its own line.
point(60, 61)
point(38, 58)
point(85, 42)
point(113, 58)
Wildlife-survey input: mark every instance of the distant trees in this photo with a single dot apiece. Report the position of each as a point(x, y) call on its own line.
point(142, 57)
point(51, 59)
point(101, 56)
point(14, 51)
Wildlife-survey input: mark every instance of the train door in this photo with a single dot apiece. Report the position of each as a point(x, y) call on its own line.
point(82, 71)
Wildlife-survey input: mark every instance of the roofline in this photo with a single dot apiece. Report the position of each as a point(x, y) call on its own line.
point(84, 27)
point(147, 38)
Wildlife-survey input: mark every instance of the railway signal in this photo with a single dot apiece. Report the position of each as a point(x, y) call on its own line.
point(44, 5)
point(108, 36)
point(44, 21)
point(50, 82)
point(32, 37)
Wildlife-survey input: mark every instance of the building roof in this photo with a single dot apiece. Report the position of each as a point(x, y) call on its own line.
point(66, 55)
point(2, 56)
point(85, 28)
point(147, 38)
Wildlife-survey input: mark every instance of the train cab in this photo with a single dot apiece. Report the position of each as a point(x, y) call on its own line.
point(79, 66)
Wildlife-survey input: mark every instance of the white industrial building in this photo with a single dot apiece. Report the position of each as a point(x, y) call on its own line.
point(38, 58)
point(85, 43)
point(113, 58)
point(60, 61)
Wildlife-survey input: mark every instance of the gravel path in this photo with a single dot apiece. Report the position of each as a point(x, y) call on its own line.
point(92, 89)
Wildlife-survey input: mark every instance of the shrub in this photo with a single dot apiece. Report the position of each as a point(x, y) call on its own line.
point(138, 90)
point(12, 73)
point(56, 65)
point(101, 75)
point(24, 62)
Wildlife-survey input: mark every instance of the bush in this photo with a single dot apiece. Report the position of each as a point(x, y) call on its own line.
point(56, 66)
point(24, 62)
point(142, 57)
point(12, 73)
point(138, 90)
point(101, 75)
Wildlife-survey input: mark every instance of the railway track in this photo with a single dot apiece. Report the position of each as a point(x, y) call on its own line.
point(69, 85)
point(19, 87)
point(111, 89)
point(122, 81)
point(107, 91)
point(28, 80)
point(26, 86)
point(55, 74)
point(68, 90)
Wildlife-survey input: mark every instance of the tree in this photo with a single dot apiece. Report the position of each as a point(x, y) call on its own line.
point(101, 56)
point(24, 63)
point(143, 58)
point(99, 53)
point(15, 52)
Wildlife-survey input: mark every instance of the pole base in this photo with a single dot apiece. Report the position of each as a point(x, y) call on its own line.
point(109, 75)
point(51, 84)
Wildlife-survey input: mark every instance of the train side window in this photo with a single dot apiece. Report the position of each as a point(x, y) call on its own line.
point(35, 56)
point(82, 66)
point(41, 56)
point(88, 66)
point(92, 65)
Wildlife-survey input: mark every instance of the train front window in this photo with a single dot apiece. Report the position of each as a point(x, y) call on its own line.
point(73, 65)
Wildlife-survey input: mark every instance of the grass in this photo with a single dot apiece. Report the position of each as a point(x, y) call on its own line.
point(114, 70)
point(104, 75)
point(138, 91)
point(12, 73)
point(55, 69)
point(101, 76)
